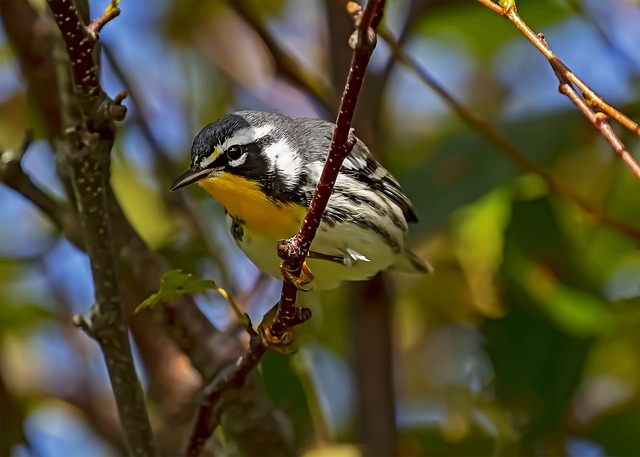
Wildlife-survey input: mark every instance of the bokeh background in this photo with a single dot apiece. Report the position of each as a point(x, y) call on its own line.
point(525, 340)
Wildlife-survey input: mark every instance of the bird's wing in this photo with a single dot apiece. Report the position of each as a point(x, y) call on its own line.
point(361, 166)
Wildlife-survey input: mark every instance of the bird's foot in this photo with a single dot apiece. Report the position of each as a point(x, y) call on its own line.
point(281, 341)
point(304, 279)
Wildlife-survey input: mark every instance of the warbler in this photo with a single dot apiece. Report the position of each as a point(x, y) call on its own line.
point(264, 167)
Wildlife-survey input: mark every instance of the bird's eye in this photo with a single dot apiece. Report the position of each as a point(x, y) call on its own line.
point(234, 152)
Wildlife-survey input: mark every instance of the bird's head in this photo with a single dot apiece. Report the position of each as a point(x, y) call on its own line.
point(238, 144)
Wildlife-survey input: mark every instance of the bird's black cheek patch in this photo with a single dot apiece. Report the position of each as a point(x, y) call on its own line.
point(254, 167)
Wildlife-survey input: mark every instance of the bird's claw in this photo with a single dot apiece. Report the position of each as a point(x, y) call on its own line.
point(284, 344)
point(305, 278)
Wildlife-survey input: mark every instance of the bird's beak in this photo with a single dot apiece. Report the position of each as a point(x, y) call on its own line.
point(189, 177)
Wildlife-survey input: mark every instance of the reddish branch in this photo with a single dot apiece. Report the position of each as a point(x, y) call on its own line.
point(568, 80)
point(599, 119)
point(486, 130)
point(294, 251)
point(276, 325)
point(208, 415)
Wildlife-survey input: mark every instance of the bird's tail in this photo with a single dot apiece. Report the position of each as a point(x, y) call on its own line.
point(408, 262)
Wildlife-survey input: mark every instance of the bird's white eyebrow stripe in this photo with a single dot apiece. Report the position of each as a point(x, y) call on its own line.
point(247, 136)
point(243, 136)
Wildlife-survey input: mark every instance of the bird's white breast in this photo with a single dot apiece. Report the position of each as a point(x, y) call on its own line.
point(341, 239)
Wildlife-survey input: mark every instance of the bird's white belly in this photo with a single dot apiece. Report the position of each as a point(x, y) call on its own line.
point(337, 240)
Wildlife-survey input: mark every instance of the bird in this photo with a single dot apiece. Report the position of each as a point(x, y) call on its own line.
point(263, 168)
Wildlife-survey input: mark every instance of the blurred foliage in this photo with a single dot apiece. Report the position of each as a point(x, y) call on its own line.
point(525, 339)
point(175, 283)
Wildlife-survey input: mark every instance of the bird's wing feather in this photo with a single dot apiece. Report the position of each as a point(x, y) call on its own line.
point(361, 166)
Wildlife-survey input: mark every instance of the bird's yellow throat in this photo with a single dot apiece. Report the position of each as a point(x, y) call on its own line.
point(243, 199)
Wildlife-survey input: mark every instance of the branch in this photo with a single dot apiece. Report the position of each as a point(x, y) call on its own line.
point(567, 79)
point(599, 119)
point(602, 123)
point(79, 41)
point(13, 176)
point(85, 148)
point(294, 251)
point(376, 91)
point(493, 137)
point(96, 25)
point(209, 350)
point(276, 326)
point(208, 416)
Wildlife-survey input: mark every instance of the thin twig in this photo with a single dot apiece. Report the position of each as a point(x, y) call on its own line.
point(208, 416)
point(275, 328)
point(110, 13)
point(294, 251)
point(599, 119)
point(602, 123)
point(567, 78)
point(493, 137)
point(63, 217)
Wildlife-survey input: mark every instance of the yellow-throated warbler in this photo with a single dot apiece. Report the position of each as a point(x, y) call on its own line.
point(264, 167)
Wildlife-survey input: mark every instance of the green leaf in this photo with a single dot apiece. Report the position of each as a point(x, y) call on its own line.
point(175, 283)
